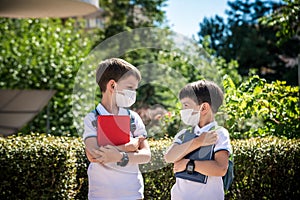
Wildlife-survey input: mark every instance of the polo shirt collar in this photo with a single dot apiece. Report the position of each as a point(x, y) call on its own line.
point(100, 108)
point(206, 128)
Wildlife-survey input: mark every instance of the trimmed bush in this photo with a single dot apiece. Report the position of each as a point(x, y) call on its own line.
point(41, 167)
point(266, 168)
point(50, 167)
point(158, 175)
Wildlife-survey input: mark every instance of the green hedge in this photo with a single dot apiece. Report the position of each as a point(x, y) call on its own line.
point(158, 175)
point(50, 167)
point(41, 167)
point(266, 168)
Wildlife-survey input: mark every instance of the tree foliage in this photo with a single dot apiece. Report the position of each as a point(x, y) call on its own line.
point(257, 109)
point(43, 54)
point(286, 19)
point(125, 15)
point(47, 53)
point(253, 44)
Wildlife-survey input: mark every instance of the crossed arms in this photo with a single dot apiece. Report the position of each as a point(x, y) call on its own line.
point(217, 167)
point(138, 151)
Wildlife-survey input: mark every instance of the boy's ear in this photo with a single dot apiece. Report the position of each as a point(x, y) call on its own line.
point(205, 107)
point(110, 85)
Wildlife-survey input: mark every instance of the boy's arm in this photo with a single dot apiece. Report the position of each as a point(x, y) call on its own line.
point(109, 154)
point(177, 151)
point(133, 145)
point(92, 145)
point(216, 167)
point(143, 155)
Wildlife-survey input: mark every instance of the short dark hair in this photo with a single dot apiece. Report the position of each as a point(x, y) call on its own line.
point(203, 91)
point(115, 69)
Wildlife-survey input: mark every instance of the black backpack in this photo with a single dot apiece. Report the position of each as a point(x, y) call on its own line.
point(228, 177)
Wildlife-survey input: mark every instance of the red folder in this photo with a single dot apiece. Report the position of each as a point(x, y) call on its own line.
point(113, 129)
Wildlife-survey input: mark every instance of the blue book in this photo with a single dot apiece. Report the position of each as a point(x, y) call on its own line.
point(202, 153)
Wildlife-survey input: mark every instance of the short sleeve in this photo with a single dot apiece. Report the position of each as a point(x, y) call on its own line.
point(140, 126)
point(89, 129)
point(223, 142)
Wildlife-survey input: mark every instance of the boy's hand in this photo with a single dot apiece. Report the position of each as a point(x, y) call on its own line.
point(90, 157)
point(108, 154)
point(208, 138)
point(134, 144)
point(180, 165)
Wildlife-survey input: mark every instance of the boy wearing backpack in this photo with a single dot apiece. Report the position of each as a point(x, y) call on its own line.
point(200, 101)
point(113, 172)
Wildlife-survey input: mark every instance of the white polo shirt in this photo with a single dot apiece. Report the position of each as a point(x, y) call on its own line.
point(213, 189)
point(111, 181)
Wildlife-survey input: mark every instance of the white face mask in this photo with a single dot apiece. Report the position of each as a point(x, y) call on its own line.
point(125, 98)
point(189, 117)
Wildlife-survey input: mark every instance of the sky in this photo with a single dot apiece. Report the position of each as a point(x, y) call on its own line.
point(185, 15)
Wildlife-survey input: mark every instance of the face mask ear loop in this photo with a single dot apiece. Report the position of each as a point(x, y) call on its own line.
point(201, 106)
point(196, 111)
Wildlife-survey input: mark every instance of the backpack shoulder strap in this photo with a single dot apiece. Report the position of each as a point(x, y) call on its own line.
point(188, 135)
point(193, 129)
point(229, 176)
point(132, 124)
point(96, 113)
